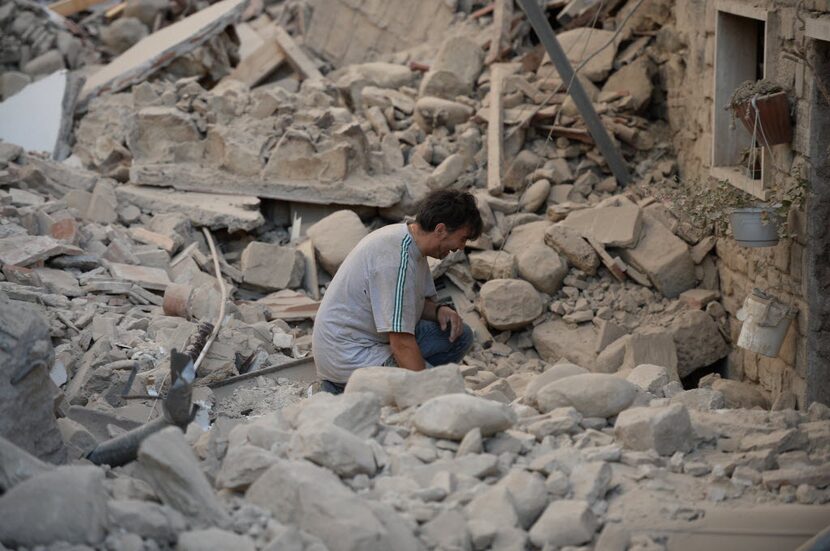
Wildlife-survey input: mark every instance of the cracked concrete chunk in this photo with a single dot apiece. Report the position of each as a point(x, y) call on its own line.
point(454, 415)
point(665, 430)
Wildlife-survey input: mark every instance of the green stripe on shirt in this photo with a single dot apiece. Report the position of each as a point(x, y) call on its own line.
point(397, 313)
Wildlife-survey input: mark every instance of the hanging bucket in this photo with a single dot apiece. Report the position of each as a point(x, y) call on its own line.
point(755, 226)
point(765, 323)
point(773, 116)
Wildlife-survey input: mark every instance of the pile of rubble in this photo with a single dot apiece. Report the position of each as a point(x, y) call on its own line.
point(410, 461)
point(222, 203)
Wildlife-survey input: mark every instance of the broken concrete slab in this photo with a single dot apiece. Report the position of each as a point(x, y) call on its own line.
point(614, 224)
point(665, 430)
point(358, 189)
point(162, 48)
point(25, 250)
point(143, 276)
point(698, 341)
point(585, 44)
point(40, 117)
point(213, 210)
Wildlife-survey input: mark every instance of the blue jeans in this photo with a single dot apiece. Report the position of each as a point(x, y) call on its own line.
point(435, 346)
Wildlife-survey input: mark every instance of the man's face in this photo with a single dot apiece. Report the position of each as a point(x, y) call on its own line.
point(447, 241)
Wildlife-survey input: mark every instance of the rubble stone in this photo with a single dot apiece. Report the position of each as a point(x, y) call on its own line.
point(454, 415)
point(738, 394)
point(103, 204)
point(446, 173)
point(355, 411)
point(572, 246)
point(16, 465)
point(590, 480)
point(146, 519)
point(175, 475)
point(45, 64)
point(487, 265)
point(157, 133)
point(432, 112)
point(213, 538)
point(535, 196)
point(123, 33)
point(633, 80)
point(454, 70)
point(664, 257)
point(12, 82)
point(509, 304)
point(564, 522)
point(556, 340)
point(272, 267)
point(616, 223)
point(65, 504)
point(542, 267)
point(704, 399)
point(336, 449)
point(591, 394)
point(553, 373)
point(242, 466)
point(698, 341)
point(651, 378)
point(380, 381)
point(665, 430)
point(335, 236)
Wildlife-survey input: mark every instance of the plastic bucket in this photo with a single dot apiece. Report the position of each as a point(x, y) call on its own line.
point(765, 323)
point(755, 226)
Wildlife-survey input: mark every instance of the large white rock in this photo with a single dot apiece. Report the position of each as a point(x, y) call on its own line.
point(665, 430)
point(335, 236)
point(564, 522)
point(357, 412)
point(146, 519)
point(455, 69)
point(418, 387)
point(591, 394)
point(652, 378)
point(315, 500)
point(509, 304)
point(67, 504)
point(337, 449)
point(542, 267)
point(585, 43)
point(553, 373)
point(454, 415)
point(591, 480)
point(633, 79)
point(380, 381)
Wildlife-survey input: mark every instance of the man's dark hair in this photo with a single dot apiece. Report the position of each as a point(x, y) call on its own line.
point(455, 209)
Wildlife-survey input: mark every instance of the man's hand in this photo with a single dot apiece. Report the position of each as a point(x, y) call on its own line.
point(448, 316)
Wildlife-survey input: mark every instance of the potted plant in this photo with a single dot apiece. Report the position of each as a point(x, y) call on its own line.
point(721, 208)
point(764, 109)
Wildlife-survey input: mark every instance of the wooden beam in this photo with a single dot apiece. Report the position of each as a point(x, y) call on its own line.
point(71, 7)
point(296, 56)
point(262, 62)
point(501, 30)
point(495, 127)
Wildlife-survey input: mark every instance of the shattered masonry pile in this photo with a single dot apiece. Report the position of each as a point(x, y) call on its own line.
point(591, 304)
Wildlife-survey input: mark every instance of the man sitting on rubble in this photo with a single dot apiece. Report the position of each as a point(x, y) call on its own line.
point(380, 308)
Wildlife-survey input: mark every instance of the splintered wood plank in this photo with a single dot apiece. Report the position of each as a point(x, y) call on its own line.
point(609, 263)
point(501, 30)
point(71, 7)
point(262, 62)
point(296, 56)
point(495, 128)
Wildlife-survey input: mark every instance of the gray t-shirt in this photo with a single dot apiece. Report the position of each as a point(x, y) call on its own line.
point(379, 288)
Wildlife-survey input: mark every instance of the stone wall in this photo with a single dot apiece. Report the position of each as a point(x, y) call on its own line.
point(687, 74)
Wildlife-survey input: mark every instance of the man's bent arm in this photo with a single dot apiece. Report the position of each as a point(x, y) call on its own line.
point(406, 351)
point(430, 312)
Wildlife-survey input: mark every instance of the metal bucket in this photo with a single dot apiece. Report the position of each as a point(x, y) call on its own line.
point(765, 323)
point(755, 226)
